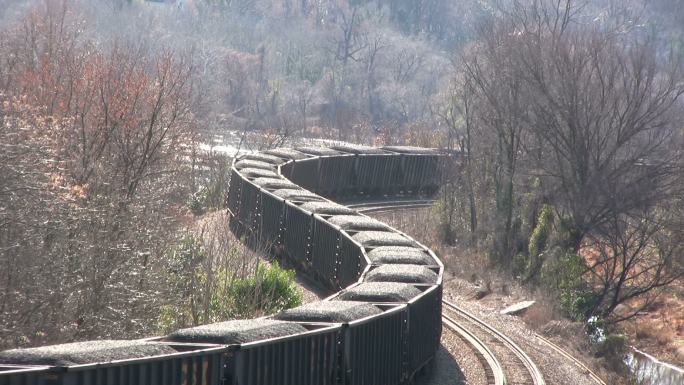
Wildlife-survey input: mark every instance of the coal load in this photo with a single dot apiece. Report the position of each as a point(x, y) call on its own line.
point(380, 292)
point(357, 149)
point(87, 352)
point(411, 150)
point(287, 153)
point(274, 160)
point(400, 255)
point(274, 183)
point(402, 273)
point(236, 332)
point(257, 173)
point(326, 208)
point(382, 238)
point(357, 223)
point(254, 164)
point(297, 195)
point(317, 151)
point(329, 311)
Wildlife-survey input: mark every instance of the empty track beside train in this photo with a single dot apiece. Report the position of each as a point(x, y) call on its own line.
point(504, 362)
point(492, 365)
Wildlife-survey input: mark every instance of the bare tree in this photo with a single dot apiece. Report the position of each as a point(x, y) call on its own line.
point(633, 257)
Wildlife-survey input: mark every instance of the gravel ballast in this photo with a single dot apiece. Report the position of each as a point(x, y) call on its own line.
point(380, 292)
point(254, 164)
point(275, 183)
point(400, 255)
point(317, 150)
point(357, 223)
point(236, 332)
point(382, 238)
point(298, 195)
point(86, 352)
point(402, 273)
point(257, 173)
point(287, 153)
point(326, 208)
point(329, 311)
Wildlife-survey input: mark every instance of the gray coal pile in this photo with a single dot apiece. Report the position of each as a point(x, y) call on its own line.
point(400, 255)
point(264, 158)
point(287, 153)
point(382, 238)
point(236, 332)
point(380, 292)
point(326, 208)
point(257, 173)
point(254, 164)
point(411, 150)
point(275, 183)
point(298, 195)
point(401, 273)
point(317, 150)
point(87, 352)
point(357, 223)
point(329, 311)
point(357, 149)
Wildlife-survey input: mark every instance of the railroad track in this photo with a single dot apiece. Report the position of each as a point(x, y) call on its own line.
point(492, 366)
point(595, 377)
point(386, 206)
point(513, 356)
point(518, 368)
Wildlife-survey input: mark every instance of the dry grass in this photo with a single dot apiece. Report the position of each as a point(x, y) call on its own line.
point(655, 332)
point(540, 314)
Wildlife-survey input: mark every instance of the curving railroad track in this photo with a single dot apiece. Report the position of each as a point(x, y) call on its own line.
point(518, 368)
point(504, 361)
point(393, 338)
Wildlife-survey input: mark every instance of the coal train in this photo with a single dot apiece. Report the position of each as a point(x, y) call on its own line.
point(381, 327)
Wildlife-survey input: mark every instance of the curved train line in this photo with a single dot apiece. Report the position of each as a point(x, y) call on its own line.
point(387, 348)
point(492, 366)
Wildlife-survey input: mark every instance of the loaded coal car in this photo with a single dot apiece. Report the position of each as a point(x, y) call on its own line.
point(382, 328)
point(115, 362)
point(271, 352)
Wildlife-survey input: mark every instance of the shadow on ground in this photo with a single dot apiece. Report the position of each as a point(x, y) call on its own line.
point(443, 370)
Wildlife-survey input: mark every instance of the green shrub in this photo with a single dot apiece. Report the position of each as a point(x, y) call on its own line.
point(269, 290)
point(198, 202)
point(562, 274)
point(202, 295)
point(540, 235)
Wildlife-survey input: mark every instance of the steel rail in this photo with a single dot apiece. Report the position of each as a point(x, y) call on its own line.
point(385, 206)
point(595, 377)
point(491, 365)
point(531, 367)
